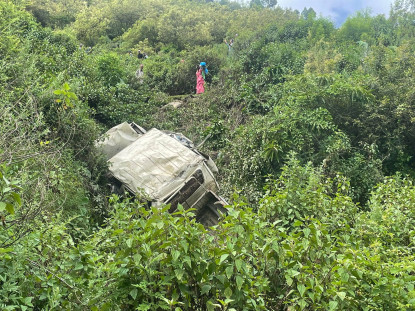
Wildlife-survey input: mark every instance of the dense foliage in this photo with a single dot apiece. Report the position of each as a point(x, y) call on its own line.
point(312, 128)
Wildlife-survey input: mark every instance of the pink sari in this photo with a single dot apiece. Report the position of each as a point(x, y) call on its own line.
point(200, 83)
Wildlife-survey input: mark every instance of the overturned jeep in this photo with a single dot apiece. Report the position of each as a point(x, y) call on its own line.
point(165, 167)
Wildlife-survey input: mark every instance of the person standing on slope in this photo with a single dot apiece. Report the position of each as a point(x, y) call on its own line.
point(201, 72)
point(140, 55)
point(140, 74)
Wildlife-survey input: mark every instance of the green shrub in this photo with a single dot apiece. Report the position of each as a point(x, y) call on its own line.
point(110, 70)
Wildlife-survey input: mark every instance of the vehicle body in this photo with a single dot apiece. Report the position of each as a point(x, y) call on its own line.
point(165, 168)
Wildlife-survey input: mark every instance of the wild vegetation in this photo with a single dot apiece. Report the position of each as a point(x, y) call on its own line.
point(312, 128)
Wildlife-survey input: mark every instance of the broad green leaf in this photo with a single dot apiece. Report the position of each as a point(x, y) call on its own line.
point(28, 301)
point(2, 206)
point(228, 292)
point(205, 288)
point(221, 278)
point(239, 282)
point(311, 295)
point(175, 254)
point(223, 257)
point(342, 295)
point(229, 272)
point(137, 259)
point(129, 242)
point(133, 293)
point(238, 264)
point(301, 289)
point(10, 208)
point(17, 198)
point(188, 261)
point(79, 266)
point(43, 296)
point(302, 303)
point(345, 277)
point(185, 245)
point(297, 223)
point(333, 305)
point(179, 273)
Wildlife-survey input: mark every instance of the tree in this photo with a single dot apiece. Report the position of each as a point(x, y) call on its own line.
point(91, 25)
point(263, 3)
point(402, 15)
point(55, 13)
point(308, 13)
point(357, 27)
point(269, 3)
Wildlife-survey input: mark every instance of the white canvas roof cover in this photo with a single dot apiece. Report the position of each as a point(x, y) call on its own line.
point(117, 138)
point(155, 163)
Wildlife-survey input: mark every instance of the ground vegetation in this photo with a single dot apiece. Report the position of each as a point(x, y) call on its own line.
point(312, 128)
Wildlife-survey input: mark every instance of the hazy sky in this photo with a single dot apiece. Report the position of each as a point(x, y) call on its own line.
point(338, 10)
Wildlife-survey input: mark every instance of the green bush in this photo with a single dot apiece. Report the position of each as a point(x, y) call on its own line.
point(110, 70)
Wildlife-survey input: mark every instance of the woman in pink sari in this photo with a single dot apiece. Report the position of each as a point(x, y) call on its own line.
point(200, 82)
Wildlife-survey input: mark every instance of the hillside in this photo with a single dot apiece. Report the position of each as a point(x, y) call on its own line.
point(312, 128)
